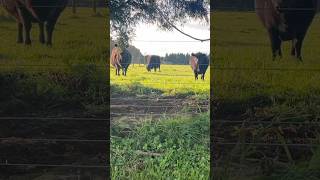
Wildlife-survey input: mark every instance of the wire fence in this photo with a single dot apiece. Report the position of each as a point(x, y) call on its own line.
point(14, 139)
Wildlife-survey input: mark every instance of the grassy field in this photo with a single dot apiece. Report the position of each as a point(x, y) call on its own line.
point(172, 80)
point(69, 72)
point(66, 80)
point(249, 87)
point(160, 147)
point(242, 42)
point(77, 38)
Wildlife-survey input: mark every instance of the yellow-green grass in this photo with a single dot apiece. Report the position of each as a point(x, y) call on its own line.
point(172, 80)
point(72, 71)
point(80, 37)
point(241, 42)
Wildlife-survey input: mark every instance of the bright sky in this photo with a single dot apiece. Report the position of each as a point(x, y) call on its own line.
point(145, 33)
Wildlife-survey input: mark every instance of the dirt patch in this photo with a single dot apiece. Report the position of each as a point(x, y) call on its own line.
point(138, 108)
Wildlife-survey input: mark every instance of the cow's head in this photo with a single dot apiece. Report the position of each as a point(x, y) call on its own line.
point(148, 67)
point(280, 8)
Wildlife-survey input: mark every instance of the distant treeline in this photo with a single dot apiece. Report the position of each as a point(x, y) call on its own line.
point(176, 58)
point(232, 5)
point(173, 58)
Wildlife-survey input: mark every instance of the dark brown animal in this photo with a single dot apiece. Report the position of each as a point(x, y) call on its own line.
point(153, 62)
point(199, 64)
point(44, 12)
point(286, 20)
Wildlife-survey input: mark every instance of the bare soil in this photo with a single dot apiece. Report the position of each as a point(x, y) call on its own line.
point(135, 109)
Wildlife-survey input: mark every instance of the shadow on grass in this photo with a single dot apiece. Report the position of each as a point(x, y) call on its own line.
point(134, 89)
point(75, 89)
point(138, 89)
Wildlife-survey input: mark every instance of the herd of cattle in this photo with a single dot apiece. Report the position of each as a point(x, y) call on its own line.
point(43, 12)
point(284, 20)
point(121, 60)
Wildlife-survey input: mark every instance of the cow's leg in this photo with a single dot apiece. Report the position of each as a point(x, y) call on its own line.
point(27, 30)
point(41, 33)
point(124, 71)
point(293, 48)
point(159, 68)
point(298, 46)
point(20, 33)
point(49, 28)
point(275, 44)
point(279, 42)
point(155, 69)
point(117, 68)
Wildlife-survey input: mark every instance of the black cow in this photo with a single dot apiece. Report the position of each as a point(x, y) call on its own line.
point(286, 20)
point(199, 63)
point(153, 62)
point(43, 12)
point(125, 61)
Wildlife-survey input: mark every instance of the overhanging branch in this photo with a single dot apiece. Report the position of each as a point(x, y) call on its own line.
point(176, 28)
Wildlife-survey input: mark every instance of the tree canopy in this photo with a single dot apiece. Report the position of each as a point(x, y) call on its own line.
point(126, 14)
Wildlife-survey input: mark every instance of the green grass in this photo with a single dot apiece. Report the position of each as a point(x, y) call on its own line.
point(77, 38)
point(182, 143)
point(70, 75)
point(172, 80)
point(242, 42)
